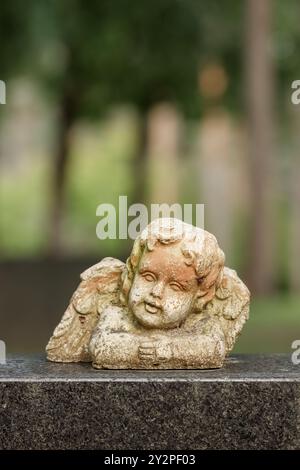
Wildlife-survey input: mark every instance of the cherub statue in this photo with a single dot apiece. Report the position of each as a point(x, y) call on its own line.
point(173, 305)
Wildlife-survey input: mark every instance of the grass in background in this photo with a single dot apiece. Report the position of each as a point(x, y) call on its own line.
point(24, 209)
point(273, 325)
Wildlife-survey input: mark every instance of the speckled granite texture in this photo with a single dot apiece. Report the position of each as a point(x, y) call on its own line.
point(252, 403)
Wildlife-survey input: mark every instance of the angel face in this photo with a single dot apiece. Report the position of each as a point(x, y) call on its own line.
point(164, 288)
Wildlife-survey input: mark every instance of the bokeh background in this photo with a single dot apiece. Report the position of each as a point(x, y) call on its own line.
point(176, 101)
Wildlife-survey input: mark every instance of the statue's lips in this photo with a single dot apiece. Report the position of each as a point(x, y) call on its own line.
point(151, 308)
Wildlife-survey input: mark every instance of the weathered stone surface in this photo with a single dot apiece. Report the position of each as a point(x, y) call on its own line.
point(252, 403)
point(173, 305)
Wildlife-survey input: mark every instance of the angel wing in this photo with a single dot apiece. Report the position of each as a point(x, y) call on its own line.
point(231, 306)
point(99, 287)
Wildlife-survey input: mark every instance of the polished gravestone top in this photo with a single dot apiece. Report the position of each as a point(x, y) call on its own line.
point(245, 368)
point(252, 403)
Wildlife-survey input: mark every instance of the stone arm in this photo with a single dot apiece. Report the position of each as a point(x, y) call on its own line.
point(195, 349)
point(116, 345)
point(115, 350)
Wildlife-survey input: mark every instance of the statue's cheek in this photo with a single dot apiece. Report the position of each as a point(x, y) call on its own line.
point(178, 303)
point(174, 302)
point(137, 293)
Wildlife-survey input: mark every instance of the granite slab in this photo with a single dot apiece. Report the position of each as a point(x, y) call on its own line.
point(252, 403)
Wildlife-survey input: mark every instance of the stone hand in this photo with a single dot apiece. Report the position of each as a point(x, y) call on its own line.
point(154, 351)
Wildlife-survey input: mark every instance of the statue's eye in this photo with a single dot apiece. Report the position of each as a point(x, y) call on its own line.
point(176, 286)
point(149, 276)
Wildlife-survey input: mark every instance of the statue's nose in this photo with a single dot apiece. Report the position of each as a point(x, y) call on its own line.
point(158, 289)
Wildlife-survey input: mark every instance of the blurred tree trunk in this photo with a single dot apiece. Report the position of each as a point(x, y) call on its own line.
point(259, 80)
point(221, 176)
point(156, 156)
point(67, 119)
point(295, 229)
point(165, 128)
point(140, 162)
point(294, 255)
